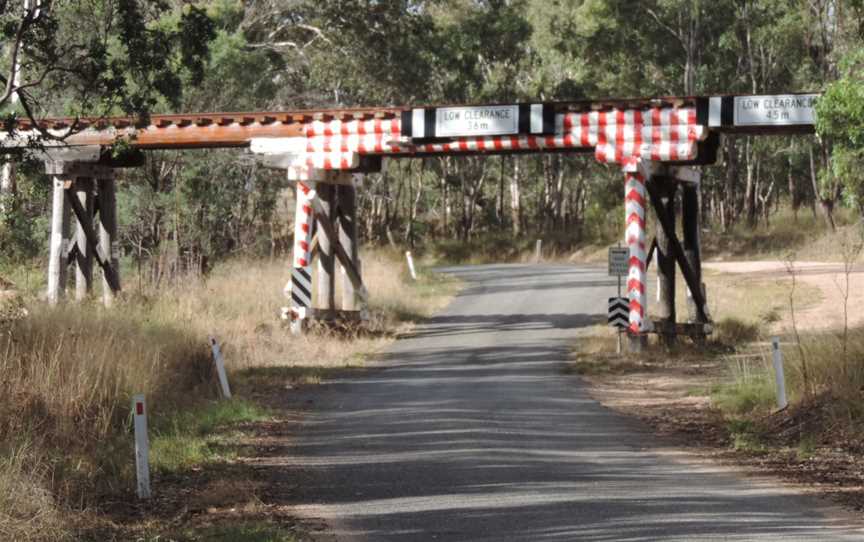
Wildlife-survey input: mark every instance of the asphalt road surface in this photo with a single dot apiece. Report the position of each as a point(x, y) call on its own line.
point(471, 431)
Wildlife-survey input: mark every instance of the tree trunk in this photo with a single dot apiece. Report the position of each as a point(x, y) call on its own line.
point(826, 203)
point(559, 194)
point(500, 210)
point(751, 165)
point(516, 199)
point(728, 205)
point(445, 202)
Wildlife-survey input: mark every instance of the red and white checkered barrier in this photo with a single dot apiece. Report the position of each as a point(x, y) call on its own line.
point(661, 134)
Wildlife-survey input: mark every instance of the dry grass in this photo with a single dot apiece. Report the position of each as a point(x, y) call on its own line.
point(806, 235)
point(28, 510)
point(835, 370)
point(761, 301)
point(68, 374)
point(240, 304)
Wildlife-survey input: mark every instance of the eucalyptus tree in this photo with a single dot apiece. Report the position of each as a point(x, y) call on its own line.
point(91, 58)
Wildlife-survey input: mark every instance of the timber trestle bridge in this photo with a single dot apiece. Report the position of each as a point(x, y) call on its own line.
point(660, 144)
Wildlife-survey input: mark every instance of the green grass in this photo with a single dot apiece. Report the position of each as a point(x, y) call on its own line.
point(744, 397)
point(249, 531)
point(200, 435)
point(806, 447)
point(746, 436)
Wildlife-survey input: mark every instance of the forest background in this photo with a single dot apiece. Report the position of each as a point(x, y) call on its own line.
point(185, 210)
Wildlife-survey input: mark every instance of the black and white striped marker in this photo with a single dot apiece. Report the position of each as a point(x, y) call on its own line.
point(619, 312)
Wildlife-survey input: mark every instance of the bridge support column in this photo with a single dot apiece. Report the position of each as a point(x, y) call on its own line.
point(311, 208)
point(59, 242)
point(299, 288)
point(666, 265)
point(347, 198)
point(661, 196)
point(691, 218)
point(325, 198)
point(107, 207)
point(83, 188)
point(74, 171)
point(326, 262)
point(635, 199)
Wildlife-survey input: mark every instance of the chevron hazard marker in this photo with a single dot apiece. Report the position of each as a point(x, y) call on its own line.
point(619, 312)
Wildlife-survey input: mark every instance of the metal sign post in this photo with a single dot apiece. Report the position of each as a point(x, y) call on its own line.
point(618, 266)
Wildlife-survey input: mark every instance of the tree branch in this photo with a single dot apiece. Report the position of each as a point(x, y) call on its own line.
point(676, 34)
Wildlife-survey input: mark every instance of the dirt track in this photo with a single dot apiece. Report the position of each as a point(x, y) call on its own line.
point(829, 278)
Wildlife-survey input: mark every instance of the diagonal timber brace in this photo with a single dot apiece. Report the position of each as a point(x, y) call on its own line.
point(651, 252)
point(687, 270)
point(344, 258)
point(103, 260)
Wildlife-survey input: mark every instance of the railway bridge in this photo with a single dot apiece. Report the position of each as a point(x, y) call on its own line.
point(659, 143)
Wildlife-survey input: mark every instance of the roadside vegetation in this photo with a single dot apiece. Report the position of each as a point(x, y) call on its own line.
point(69, 374)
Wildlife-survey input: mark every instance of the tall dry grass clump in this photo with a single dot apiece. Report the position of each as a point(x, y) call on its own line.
point(835, 371)
point(67, 377)
point(239, 302)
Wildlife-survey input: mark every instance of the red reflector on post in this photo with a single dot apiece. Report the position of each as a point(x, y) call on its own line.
point(139, 409)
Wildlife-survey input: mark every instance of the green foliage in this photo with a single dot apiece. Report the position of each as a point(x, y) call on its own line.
point(127, 62)
point(840, 121)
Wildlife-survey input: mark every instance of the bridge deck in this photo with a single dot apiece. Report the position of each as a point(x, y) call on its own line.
point(209, 130)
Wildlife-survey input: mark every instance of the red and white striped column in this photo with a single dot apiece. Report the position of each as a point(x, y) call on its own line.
point(634, 209)
point(299, 289)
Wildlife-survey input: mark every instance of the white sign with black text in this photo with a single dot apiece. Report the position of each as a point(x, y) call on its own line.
point(476, 121)
point(619, 260)
point(779, 110)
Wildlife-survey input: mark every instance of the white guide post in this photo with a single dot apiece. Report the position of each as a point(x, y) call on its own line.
point(538, 250)
point(220, 368)
point(778, 373)
point(411, 264)
point(142, 446)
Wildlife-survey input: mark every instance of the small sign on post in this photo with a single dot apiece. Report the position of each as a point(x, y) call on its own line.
point(220, 368)
point(619, 307)
point(619, 260)
point(142, 446)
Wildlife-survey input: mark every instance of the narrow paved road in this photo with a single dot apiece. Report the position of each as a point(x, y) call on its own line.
point(472, 432)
